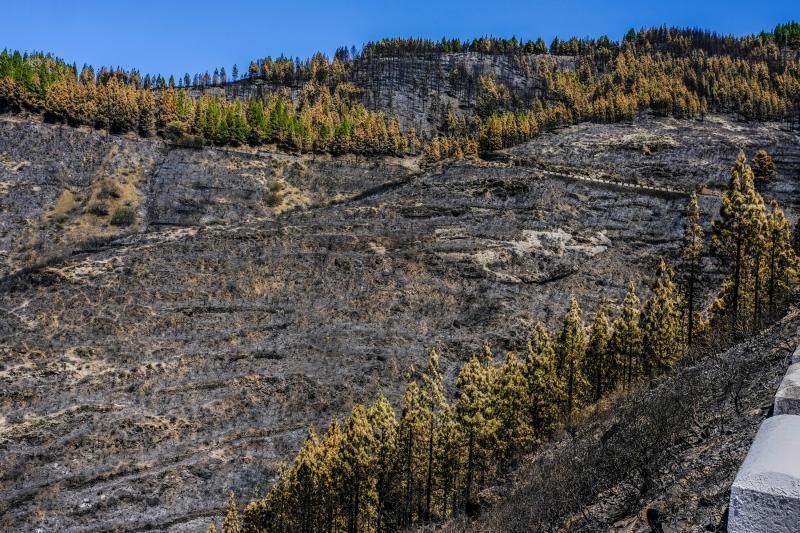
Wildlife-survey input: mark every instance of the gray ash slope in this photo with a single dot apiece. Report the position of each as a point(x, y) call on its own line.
point(147, 370)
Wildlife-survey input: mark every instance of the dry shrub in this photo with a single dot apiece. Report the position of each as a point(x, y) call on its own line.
point(123, 216)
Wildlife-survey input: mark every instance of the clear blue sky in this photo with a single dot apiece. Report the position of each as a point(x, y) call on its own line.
point(193, 36)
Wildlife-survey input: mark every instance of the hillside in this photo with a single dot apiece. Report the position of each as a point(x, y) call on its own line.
point(150, 367)
point(406, 97)
point(662, 459)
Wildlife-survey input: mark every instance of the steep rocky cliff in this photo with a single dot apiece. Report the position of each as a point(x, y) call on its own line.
point(150, 365)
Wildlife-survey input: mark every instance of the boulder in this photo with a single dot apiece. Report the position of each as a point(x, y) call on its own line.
point(787, 400)
point(765, 496)
point(796, 355)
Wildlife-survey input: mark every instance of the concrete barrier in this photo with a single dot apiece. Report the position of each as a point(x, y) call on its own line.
point(787, 400)
point(765, 497)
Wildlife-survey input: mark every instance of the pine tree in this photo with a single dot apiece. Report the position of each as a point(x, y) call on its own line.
point(514, 432)
point(168, 107)
point(545, 388)
point(328, 476)
point(272, 512)
point(729, 236)
point(411, 446)
point(358, 480)
point(692, 260)
point(471, 413)
point(488, 441)
point(757, 238)
point(257, 122)
point(147, 113)
point(626, 341)
point(448, 467)
point(302, 483)
point(596, 353)
point(231, 524)
point(572, 354)
point(739, 238)
point(436, 409)
point(781, 256)
point(662, 335)
point(764, 170)
point(383, 421)
point(253, 70)
point(236, 125)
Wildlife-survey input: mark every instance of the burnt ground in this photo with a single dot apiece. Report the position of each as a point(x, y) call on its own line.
point(146, 370)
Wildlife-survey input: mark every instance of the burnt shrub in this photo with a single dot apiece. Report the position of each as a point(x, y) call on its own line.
point(98, 209)
point(123, 216)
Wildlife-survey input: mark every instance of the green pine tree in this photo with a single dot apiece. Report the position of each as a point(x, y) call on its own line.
point(662, 330)
point(514, 432)
point(545, 388)
point(231, 523)
point(597, 353)
point(472, 408)
point(626, 341)
point(692, 260)
point(572, 355)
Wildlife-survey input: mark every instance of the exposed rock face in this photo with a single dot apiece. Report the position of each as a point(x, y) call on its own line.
point(256, 293)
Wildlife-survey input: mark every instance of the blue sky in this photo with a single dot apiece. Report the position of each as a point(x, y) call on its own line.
point(193, 36)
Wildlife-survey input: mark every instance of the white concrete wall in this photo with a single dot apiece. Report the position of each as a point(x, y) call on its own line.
point(765, 497)
point(787, 400)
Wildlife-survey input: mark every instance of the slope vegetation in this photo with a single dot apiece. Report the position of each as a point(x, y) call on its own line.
point(662, 459)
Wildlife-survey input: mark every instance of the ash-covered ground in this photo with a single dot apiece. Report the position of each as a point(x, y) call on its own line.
point(147, 369)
